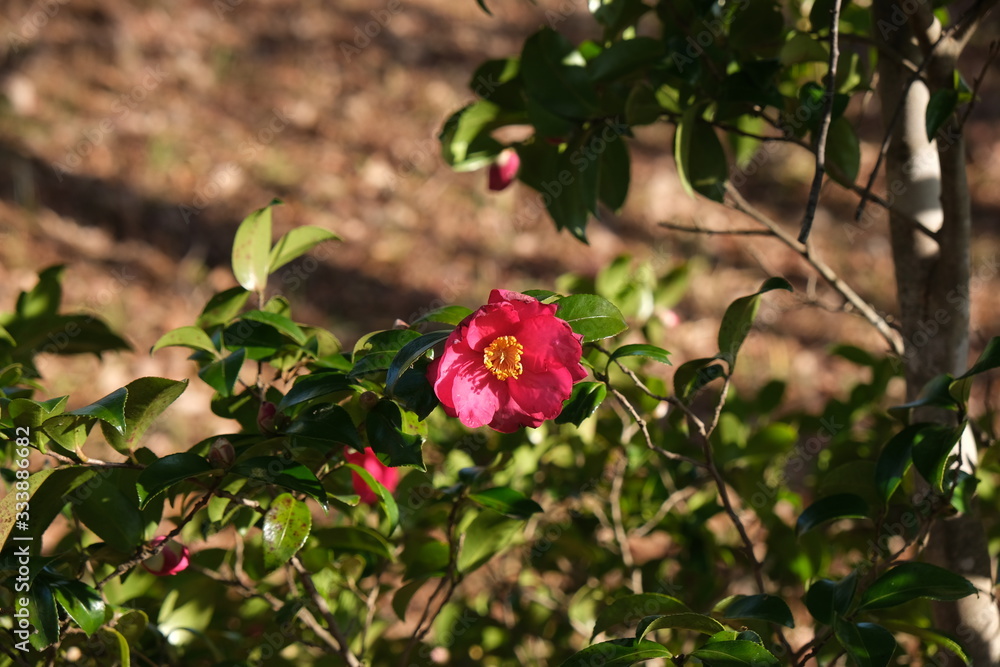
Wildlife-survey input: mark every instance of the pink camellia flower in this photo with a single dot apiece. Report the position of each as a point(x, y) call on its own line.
point(383, 474)
point(504, 169)
point(172, 559)
point(510, 364)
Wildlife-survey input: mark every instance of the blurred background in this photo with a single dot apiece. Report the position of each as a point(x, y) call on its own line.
point(134, 136)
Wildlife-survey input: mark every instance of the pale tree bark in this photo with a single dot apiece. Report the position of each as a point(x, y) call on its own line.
point(932, 276)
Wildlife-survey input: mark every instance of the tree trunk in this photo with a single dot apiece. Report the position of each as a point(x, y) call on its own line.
point(932, 281)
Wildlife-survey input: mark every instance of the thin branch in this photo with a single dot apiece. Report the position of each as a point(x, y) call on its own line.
point(644, 428)
point(711, 232)
point(890, 335)
point(342, 647)
point(824, 127)
point(619, 525)
point(967, 24)
point(990, 57)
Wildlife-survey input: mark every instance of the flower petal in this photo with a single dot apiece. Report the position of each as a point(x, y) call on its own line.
point(541, 395)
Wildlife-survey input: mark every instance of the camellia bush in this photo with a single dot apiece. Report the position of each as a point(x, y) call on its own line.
point(514, 481)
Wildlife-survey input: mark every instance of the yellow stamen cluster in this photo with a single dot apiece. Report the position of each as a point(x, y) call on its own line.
point(503, 357)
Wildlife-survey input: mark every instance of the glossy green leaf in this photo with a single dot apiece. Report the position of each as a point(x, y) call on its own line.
point(110, 409)
point(355, 539)
point(868, 644)
point(43, 614)
point(82, 603)
point(555, 77)
point(279, 323)
point(734, 653)
point(466, 143)
point(487, 535)
point(164, 473)
point(316, 385)
point(32, 414)
point(507, 501)
point(281, 472)
point(825, 599)
point(624, 58)
point(701, 161)
point(642, 350)
point(615, 172)
point(831, 508)
point(695, 374)
point(131, 624)
point(935, 393)
point(633, 608)
point(384, 426)
point(117, 644)
point(44, 298)
point(617, 653)
point(445, 315)
point(843, 152)
point(375, 353)
point(222, 308)
point(895, 459)
point(223, 374)
point(192, 337)
point(911, 580)
point(296, 243)
point(592, 316)
point(326, 423)
point(286, 526)
point(498, 81)
point(252, 250)
point(111, 515)
point(585, 398)
point(932, 448)
point(385, 496)
point(762, 607)
point(409, 353)
point(739, 319)
point(682, 621)
point(948, 644)
point(46, 491)
point(988, 359)
point(147, 398)
point(940, 107)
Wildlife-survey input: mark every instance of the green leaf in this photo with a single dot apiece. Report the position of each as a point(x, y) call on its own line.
point(252, 250)
point(83, 604)
point(932, 448)
point(286, 527)
point(110, 409)
point(695, 374)
point(376, 353)
point(44, 298)
point(487, 535)
point(409, 353)
point(642, 350)
point(554, 75)
point(131, 624)
point(909, 581)
point(279, 323)
point(189, 336)
point(734, 653)
point(281, 472)
point(935, 393)
point(895, 459)
point(617, 653)
point(111, 515)
point(385, 496)
point(355, 539)
point(931, 636)
point(296, 243)
point(940, 107)
point(43, 614)
point(46, 491)
point(683, 621)
point(452, 315)
point(625, 57)
point(309, 387)
point(384, 426)
point(147, 398)
point(117, 643)
point(868, 644)
point(763, 607)
point(633, 608)
point(507, 501)
point(739, 319)
point(401, 598)
point(988, 359)
point(843, 152)
point(592, 316)
point(223, 374)
point(163, 473)
point(222, 308)
point(328, 424)
point(466, 144)
point(825, 599)
point(701, 161)
point(498, 81)
point(832, 508)
point(615, 172)
point(583, 401)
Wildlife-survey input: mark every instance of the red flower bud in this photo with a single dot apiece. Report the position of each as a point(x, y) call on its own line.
point(504, 169)
point(171, 559)
point(222, 454)
point(266, 416)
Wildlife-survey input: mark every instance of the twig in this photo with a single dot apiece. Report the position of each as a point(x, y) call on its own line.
point(619, 525)
point(990, 57)
point(890, 335)
point(824, 127)
point(342, 646)
point(710, 232)
point(644, 428)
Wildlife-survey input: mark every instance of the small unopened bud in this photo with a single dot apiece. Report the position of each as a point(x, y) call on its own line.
point(504, 169)
point(173, 558)
point(266, 417)
point(368, 400)
point(222, 454)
